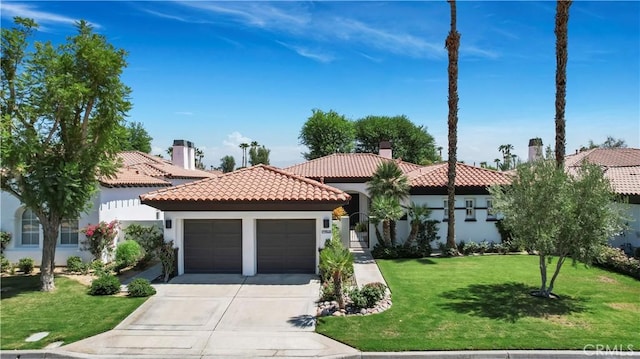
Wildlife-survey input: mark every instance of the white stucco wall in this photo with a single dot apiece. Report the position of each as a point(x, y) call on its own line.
point(632, 234)
point(108, 204)
point(467, 231)
point(249, 245)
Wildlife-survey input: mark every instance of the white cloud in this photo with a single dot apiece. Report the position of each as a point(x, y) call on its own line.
point(234, 139)
point(11, 10)
point(311, 54)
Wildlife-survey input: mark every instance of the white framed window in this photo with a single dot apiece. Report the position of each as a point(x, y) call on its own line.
point(69, 232)
point(490, 213)
point(446, 209)
point(30, 228)
point(470, 208)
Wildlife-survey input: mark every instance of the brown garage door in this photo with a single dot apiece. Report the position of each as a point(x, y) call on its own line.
point(213, 246)
point(286, 246)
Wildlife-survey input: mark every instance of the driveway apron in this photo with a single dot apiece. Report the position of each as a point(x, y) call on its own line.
point(215, 316)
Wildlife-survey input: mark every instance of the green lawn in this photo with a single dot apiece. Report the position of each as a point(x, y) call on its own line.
point(68, 314)
point(482, 302)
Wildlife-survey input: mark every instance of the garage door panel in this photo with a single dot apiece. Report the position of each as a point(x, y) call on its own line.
point(286, 246)
point(213, 246)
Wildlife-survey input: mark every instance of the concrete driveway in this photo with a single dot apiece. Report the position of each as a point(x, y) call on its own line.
point(200, 315)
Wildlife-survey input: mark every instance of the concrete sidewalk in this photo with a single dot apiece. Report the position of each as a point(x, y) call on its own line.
point(365, 268)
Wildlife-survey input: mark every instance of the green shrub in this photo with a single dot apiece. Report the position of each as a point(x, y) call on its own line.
point(76, 265)
point(357, 298)
point(5, 238)
point(5, 265)
point(26, 265)
point(127, 254)
point(362, 227)
point(140, 287)
point(470, 248)
point(373, 292)
point(400, 251)
point(150, 239)
point(106, 284)
point(327, 290)
point(616, 260)
point(98, 267)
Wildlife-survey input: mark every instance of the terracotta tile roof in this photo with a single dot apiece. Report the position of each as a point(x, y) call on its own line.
point(345, 165)
point(609, 157)
point(157, 166)
point(127, 177)
point(259, 183)
point(141, 169)
point(621, 166)
point(466, 176)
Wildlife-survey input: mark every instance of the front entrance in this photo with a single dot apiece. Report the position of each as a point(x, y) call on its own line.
point(352, 208)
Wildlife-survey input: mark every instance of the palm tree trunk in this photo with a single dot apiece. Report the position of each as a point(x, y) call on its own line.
point(452, 45)
point(561, 30)
point(386, 232)
point(337, 288)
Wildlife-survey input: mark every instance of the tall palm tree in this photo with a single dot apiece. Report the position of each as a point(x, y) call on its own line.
point(386, 209)
point(497, 161)
point(244, 147)
point(338, 262)
point(452, 44)
point(506, 155)
point(561, 30)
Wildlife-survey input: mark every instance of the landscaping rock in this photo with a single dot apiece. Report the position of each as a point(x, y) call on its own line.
point(37, 336)
point(326, 308)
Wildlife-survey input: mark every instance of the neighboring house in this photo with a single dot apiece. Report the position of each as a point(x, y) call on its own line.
point(117, 199)
point(258, 219)
point(350, 172)
point(622, 167)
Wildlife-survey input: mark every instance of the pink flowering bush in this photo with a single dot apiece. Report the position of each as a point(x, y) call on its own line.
point(100, 238)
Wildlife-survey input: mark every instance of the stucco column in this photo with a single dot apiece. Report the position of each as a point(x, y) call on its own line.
point(249, 248)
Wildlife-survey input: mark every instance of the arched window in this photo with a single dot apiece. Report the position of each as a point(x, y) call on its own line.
point(69, 232)
point(30, 228)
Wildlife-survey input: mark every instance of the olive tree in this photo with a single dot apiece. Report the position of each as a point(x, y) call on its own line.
point(558, 214)
point(61, 108)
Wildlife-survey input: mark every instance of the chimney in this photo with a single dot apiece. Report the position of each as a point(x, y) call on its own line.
point(385, 149)
point(535, 149)
point(183, 154)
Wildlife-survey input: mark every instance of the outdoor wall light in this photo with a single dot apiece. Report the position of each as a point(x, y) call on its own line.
point(325, 223)
point(167, 223)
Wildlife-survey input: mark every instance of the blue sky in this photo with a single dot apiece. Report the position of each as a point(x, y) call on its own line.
point(222, 73)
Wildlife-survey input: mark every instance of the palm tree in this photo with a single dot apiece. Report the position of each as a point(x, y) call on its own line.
point(561, 30)
point(244, 147)
point(452, 44)
point(338, 262)
point(388, 180)
point(506, 155)
point(418, 214)
point(386, 209)
point(497, 161)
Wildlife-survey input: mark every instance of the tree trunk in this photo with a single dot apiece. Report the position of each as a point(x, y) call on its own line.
point(413, 234)
point(452, 45)
point(392, 231)
point(555, 274)
point(561, 30)
point(543, 275)
point(337, 288)
point(47, 265)
point(386, 232)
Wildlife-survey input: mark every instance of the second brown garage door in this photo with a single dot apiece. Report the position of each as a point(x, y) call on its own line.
point(286, 246)
point(212, 246)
